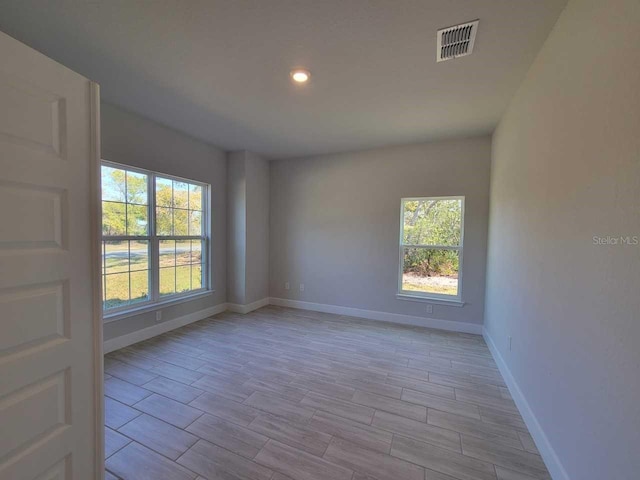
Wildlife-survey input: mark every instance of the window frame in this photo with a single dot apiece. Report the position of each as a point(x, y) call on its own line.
point(427, 296)
point(155, 300)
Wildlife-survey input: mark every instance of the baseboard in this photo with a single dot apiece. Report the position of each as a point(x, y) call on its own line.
point(149, 332)
point(250, 307)
point(547, 452)
point(449, 325)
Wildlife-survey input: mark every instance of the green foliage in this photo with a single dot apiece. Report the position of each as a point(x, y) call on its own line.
point(432, 222)
point(431, 262)
point(125, 201)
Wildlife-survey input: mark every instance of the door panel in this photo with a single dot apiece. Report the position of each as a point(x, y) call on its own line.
point(50, 361)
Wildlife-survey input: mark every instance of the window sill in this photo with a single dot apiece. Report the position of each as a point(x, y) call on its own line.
point(439, 301)
point(113, 317)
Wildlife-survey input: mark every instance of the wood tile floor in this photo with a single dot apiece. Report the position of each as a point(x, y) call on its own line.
point(283, 394)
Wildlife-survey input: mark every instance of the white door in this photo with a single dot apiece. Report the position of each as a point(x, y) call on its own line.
point(50, 389)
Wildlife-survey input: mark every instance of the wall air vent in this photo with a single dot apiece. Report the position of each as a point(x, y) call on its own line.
point(456, 41)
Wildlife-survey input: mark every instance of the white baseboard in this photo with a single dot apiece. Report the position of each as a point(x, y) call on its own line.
point(250, 307)
point(149, 332)
point(449, 325)
point(547, 452)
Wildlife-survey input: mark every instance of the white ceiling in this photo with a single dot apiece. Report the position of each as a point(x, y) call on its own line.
point(218, 70)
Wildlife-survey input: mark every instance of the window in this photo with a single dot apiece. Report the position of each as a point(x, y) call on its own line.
point(431, 237)
point(154, 237)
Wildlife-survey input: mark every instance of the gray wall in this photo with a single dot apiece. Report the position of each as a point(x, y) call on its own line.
point(566, 168)
point(248, 235)
point(133, 140)
point(335, 223)
point(236, 227)
point(257, 258)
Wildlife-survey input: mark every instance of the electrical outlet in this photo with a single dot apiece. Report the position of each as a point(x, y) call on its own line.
point(429, 308)
point(286, 285)
point(509, 342)
point(302, 287)
point(158, 315)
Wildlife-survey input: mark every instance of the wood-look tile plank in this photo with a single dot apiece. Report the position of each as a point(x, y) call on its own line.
point(225, 408)
point(441, 460)
point(500, 417)
point(224, 388)
point(528, 443)
point(159, 436)
point(172, 389)
point(367, 436)
point(473, 427)
point(109, 476)
point(506, 474)
point(378, 388)
point(338, 407)
point(383, 466)
point(291, 433)
point(124, 392)
point(174, 372)
point(421, 386)
point(128, 373)
point(391, 405)
point(175, 413)
point(136, 462)
point(433, 475)
point(419, 430)
point(238, 439)
point(440, 403)
point(511, 458)
point(330, 389)
point(294, 394)
point(299, 465)
point(477, 398)
point(211, 461)
point(464, 381)
point(117, 414)
point(113, 441)
point(279, 406)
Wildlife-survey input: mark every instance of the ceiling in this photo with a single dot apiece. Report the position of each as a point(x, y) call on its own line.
point(218, 70)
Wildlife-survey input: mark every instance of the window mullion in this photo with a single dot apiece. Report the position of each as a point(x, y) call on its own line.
point(154, 245)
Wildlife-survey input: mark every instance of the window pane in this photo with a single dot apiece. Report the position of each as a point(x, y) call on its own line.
point(195, 197)
point(116, 290)
point(136, 220)
point(114, 218)
point(183, 278)
point(139, 286)
point(183, 252)
point(195, 223)
point(432, 222)
point(113, 184)
point(430, 271)
point(137, 188)
point(125, 272)
point(164, 221)
point(167, 281)
point(196, 251)
point(138, 255)
point(167, 253)
point(116, 257)
point(196, 277)
point(164, 192)
point(180, 195)
point(180, 222)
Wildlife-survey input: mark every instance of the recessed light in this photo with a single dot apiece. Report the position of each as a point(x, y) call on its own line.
point(300, 75)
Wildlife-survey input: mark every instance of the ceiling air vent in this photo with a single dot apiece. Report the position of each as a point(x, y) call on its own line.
point(456, 41)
